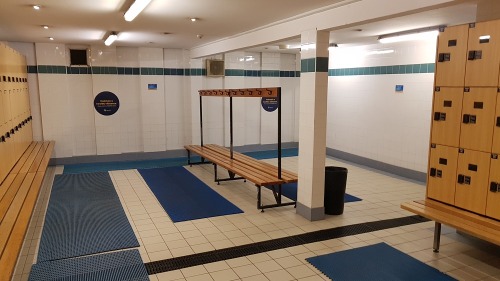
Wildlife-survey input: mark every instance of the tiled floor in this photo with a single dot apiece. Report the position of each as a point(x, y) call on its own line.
point(462, 257)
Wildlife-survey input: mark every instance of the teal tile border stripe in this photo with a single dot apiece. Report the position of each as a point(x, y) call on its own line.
point(307, 65)
point(383, 70)
point(53, 69)
point(319, 64)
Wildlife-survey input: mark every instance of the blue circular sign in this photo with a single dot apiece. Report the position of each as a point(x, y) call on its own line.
point(269, 104)
point(106, 103)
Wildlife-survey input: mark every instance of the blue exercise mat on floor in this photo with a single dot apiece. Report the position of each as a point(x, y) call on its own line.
point(84, 217)
point(375, 262)
point(126, 165)
point(184, 197)
point(269, 154)
point(118, 266)
point(289, 190)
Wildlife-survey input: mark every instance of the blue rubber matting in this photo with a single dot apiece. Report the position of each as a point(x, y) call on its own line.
point(289, 190)
point(161, 163)
point(118, 266)
point(375, 262)
point(184, 197)
point(84, 216)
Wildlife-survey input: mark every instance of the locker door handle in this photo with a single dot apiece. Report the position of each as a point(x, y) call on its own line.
point(433, 172)
point(494, 187)
point(444, 57)
point(469, 119)
point(462, 179)
point(498, 121)
point(475, 55)
point(7, 135)
point(2, 139)
point(439, 116)
point(12, 131)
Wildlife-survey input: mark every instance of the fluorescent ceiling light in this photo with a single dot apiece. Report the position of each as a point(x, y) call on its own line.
point(111, 38)
point(135, 9)
point(51, 38)
point(380, 52)
point(36, 7)
point(413, 35)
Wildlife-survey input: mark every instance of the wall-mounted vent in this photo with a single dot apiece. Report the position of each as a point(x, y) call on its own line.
point(78, 57)
point(215, 68)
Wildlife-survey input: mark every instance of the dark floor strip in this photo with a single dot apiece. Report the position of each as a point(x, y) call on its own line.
point(275, 244)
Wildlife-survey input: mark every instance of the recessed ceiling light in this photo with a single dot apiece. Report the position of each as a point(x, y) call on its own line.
point(51, 38)
point(45, 26)
point(193, 19)
point(36, 7)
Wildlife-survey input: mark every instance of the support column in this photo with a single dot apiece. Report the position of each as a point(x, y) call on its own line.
point(312, 124)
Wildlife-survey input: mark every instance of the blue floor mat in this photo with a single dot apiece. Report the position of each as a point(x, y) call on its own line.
point(125, 265)
point(289, 190)
point(184, 197)
point(269, 154)
point(84, 216)
point(161, 163)
point(126, 165)
point(375, 262)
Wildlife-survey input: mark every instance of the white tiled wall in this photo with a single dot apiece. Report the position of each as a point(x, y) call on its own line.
point(366, 117)
point(152, 120)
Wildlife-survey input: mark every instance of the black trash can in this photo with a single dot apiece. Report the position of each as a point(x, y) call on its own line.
point(335, 184)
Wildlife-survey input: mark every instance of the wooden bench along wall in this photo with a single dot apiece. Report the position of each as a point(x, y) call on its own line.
point(18, 195)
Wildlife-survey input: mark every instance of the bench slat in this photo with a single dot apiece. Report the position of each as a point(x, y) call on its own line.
point(46, 157)
point(287, 176)
point(23, 158)
point(240, 169)
point(10, 254)
point(38, 158)
point(475, 229)
point(29, 161)
point(13, 212)
point(10, 195)
point(246, 171)
point(5, 185)
point(460, 213)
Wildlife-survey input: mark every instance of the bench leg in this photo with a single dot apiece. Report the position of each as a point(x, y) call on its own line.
point(437, 236)
point(215, 174)
point(259, 198)
point(189, 158)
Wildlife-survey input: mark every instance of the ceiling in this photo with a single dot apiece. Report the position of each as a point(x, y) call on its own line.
point(166, 23)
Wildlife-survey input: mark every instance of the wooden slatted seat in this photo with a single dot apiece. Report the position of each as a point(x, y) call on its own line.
point(253, 170)
point(18, 196)
point(287, 176)
point(484, 228)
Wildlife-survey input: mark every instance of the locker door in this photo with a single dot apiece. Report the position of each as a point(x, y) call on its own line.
point(493, 197)
point(442, 173)
point(472, 180)
point(446, 116)
point(451, 56)
point(478, 110)
point(496, 130)
point(483, 57)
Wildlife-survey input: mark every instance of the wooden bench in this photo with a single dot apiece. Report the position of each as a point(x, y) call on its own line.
point(484, 228)
point(248, 168)
point(18, 196)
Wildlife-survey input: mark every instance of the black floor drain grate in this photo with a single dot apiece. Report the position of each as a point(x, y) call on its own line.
point(275, 244)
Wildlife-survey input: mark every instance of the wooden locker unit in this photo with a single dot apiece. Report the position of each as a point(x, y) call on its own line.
point(442, 173)
point(493, 197)
point(496, 129)
point(483, 57)
point(478, 110)
point(446, 116)
point(451, 55)
point(472, 180)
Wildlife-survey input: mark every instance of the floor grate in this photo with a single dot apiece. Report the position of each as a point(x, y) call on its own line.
point(275, 244)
